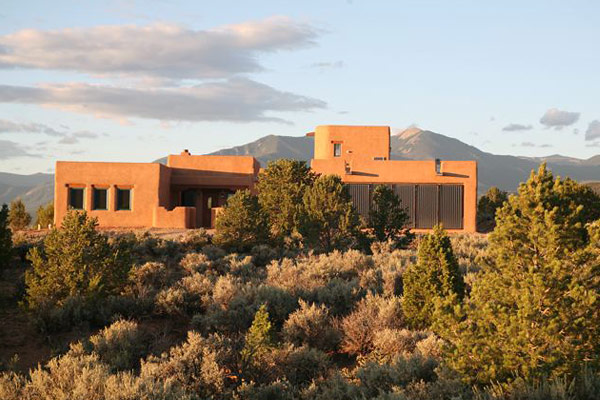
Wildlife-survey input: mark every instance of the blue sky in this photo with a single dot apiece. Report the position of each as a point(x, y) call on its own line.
point(136, 80)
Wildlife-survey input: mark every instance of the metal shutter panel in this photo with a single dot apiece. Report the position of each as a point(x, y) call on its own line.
point(451, 206)
point(406, 194)
point(360, 199)
point(427, 206)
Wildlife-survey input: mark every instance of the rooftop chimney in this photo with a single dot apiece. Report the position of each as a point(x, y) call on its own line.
point(185, 153)
point(438, 167)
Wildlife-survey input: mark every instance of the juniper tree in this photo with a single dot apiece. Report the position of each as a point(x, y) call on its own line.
point(534, 309)
point(258, 339)
point(388, 218)
point(487, 206)
point(433, 277)
point(329, 220)
point(242, 224)
point(45, 215)
point(76, 260)
point(5, 238)
point(18, 216)
point(281, 187)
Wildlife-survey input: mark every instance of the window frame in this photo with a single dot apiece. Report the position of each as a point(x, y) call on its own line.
point(118, 197)
point(70, 198)
point(106, 200)
point(337, 146)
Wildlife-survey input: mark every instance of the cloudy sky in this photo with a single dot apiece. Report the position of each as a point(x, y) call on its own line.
point(136, 80)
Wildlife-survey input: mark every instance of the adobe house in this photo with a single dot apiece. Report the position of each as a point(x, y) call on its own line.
point(190, 190)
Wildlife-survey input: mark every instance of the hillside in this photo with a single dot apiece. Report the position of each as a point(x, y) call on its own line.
point(503, 171)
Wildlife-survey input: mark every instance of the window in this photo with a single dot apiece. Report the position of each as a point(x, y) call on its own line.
point(100, 199)
point(123, 199)
point(76, 198)
point(379, 158)
point(337, 149)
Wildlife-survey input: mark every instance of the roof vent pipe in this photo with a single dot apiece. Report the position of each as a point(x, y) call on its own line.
point(438, 167)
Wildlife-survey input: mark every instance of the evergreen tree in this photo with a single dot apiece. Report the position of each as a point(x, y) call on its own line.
point(75, 260)
point(388, 218)
point(242, 224)
point(487, 206)
point(18, 217)
point(258, 339)
point(534, 309)
point(435, 276)
point(45, 215)
point(329, 219)
point(281, 187)
point(5, 238)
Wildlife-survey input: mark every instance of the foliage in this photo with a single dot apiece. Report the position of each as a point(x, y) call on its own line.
point(259, 338)
point(242, 224)
point(435, 276)
point(388, 218)
point(5, 238)
point(119, 345)
point(534, 309)
point(281, 186)
point(45, 215)
point(18, 217)
point(311, 325)
point(487, 206)
point(329, 221)
point(76, 260)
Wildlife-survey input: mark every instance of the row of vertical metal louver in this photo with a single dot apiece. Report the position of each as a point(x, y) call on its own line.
point(426, 204)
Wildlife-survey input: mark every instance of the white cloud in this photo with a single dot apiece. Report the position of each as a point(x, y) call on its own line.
point(517, 127)
point(28, 127)
point(593, 130)
point(159, 50)
point(236, 100)
point(10, 149)
point(558, 119)
point(328, 65)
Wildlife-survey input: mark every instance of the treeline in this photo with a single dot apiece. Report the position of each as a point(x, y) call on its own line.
point(515, 315)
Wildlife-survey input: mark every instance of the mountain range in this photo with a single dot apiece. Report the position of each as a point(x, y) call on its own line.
point(503, 171)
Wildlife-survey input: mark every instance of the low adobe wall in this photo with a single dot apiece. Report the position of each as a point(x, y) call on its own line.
point(178, 218)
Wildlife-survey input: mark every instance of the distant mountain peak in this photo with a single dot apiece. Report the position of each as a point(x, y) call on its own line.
point(408, 132)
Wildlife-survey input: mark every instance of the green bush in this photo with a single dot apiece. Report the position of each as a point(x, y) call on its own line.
point(258, 340)
point(281, 187)
point(534, 308)
point(242, 224)
point(76, 261)
point(388, 218)
point(487, 206)
point(5, 239)
point(329, 220)
point(18, 217)
point(45, 216)
point(435, 276)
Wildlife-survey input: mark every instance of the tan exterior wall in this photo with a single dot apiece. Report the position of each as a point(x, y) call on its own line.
point(142, 179)
point(357, 142)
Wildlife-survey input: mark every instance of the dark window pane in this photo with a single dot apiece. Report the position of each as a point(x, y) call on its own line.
point(76, 198)
point(100, 199)
point(123, 199)
point(188, 198)
point(337, 149)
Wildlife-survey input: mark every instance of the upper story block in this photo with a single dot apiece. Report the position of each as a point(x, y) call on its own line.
point(350, 143)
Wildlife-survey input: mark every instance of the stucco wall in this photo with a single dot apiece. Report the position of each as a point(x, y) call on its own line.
point(368, 171)
point(143, 179)
point(358, 142)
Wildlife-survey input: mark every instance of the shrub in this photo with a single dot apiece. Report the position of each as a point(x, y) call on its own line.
point(279, 390)
point(195, 239)
point(258, 340)
point(390, 343)
point(45, 215)
point(329, 220)
point(281, 187)
point(388, 217)
point(191, 294)
point(312, 326)
point(195, 366)
point(76, 261)
point(299, 365)
point(18, 217)
point(435, 276)
point(534, 307)
point(5, 238)
point(242, 224)
point(119, 345)
point(371, 314)
point(487, 206)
